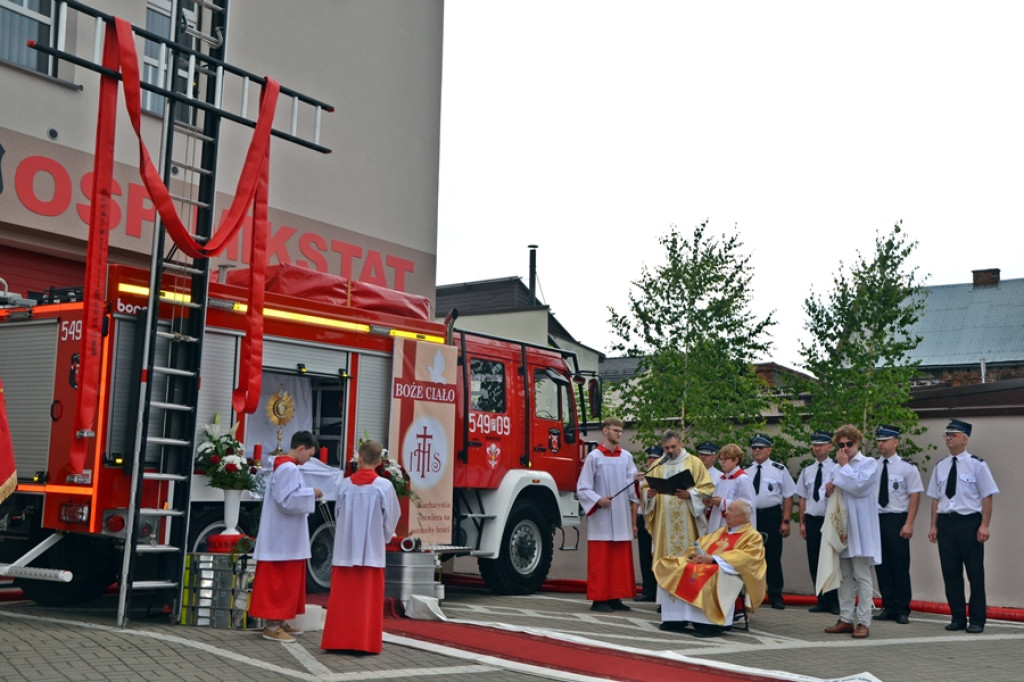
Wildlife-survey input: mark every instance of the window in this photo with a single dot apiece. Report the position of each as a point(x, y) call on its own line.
point(487, 381)
point(551, 396)
point(20, 22)
point(154, 64)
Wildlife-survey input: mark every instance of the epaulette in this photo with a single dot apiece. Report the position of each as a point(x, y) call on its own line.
point(778, 466)
point(977, 458)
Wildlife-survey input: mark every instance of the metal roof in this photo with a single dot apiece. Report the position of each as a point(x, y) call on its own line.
point(962, 324)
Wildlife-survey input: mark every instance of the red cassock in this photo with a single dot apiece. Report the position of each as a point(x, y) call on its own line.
point(355, 613)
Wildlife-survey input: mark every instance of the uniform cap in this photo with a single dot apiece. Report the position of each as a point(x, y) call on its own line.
point(819, 437)
point(707, 448)
point(654, 451)
point(761, 440)
point(886, 431)
point(957, 426)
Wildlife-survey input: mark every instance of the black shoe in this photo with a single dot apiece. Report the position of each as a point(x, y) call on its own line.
point(885, 615)
point(902, 619)
point(643, 597)
point(820, 608)
point(617, 605)
point(702, 630)
point(836, 610)
point(975, 629)
point(601, 607)
point(674, 625)
point(778, 605)
point(956, 625)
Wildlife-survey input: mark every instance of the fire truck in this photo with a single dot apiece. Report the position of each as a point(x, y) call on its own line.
point(518, 446)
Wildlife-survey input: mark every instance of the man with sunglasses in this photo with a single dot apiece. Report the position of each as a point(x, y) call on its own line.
point(961, 489)
point(857, 477)
point(774, 489)
point(899, 495)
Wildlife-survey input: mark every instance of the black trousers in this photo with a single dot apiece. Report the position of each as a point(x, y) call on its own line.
point(769, 520)
point(644, 545)
point(959, 551)
point(894, 572)
point(812, 526)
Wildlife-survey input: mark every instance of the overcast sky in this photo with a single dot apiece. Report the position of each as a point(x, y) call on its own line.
point(591, 128)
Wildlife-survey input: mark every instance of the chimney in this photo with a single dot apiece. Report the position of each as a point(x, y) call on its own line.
point(986, 278)
point(533, 273)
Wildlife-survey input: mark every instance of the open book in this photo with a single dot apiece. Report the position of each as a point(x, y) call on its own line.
point(668, 486)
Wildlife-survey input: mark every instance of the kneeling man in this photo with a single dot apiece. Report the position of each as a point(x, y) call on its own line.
point(701, 586)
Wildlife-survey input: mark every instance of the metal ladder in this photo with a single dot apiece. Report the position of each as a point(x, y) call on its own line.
point(169, 348)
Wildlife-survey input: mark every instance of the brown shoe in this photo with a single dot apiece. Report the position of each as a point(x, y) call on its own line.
point(841, 627)
point(861, 632)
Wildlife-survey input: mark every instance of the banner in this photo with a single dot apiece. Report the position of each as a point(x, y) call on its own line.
point(423, 433)
point(8, 473)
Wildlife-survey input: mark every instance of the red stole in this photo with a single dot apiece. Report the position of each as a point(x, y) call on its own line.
point(284, 459)
point(696, 576)
point(363, 476)
point(608, 453)
point(735, 474)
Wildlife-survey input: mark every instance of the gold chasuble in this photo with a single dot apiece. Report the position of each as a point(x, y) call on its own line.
point(670, 520)
point(707, 586)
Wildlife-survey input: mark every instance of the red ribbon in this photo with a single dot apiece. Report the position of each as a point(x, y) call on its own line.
point(119, 55)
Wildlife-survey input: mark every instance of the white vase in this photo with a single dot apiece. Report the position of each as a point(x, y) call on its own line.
point(232, 503)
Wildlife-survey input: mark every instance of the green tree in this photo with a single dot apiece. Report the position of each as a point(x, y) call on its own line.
point(859, 347)
point(689, 324)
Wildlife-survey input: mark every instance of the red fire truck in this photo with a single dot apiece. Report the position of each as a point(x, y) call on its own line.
point(518, 442)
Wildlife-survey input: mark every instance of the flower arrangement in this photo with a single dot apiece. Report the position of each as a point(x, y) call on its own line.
point(223, 459)
point(391, 470)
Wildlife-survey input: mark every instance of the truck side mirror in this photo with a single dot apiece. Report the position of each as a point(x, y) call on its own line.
point(569, 434)
point(594, 394)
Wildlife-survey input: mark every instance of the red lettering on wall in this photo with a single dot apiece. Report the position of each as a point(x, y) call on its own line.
point(277, 245)
point(25, 185)
point(347, 252)
point(312, 246)
point(401, 266)
point(373, 270)
point(140, 208)
point(83, 207)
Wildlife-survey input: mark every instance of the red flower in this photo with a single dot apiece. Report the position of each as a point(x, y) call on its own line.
point(253, 470)
point(231, 467)
point(214, 459)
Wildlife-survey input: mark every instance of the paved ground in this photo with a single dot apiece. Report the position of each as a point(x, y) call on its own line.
point(83, 643)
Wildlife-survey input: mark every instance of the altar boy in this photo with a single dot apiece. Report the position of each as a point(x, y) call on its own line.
point(367, 513)
point(282, 545)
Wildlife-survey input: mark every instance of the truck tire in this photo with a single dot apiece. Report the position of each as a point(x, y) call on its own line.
point(94, 565)
point(321, 550)
point(527, 547)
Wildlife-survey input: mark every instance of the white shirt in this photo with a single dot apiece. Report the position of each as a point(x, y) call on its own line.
point(735, 485)
point(366, 518)
point(284, 535)
point(805, 486)
point(776, 483)
point(859, 482)
point(974, 483)
point(604, 476)
point(904, 480)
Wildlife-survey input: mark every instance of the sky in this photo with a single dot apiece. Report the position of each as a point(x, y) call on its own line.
point(806, 128)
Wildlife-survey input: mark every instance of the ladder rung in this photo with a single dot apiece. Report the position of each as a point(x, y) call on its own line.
point(153, 511)
point(171, 407)
point(154, 584)
point(192, 131)
point(154, 440)
point(177, 336)
point(158, 476)
point(181, 267)
point(171, 371)
point(187, 200)
point(206, 37)
point(156, 549)
point(209, 5)
point(190, 168)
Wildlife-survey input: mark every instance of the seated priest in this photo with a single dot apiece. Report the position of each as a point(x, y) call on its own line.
point(701, 586)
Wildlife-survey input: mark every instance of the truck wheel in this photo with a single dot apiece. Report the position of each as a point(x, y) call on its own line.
point(94, 565)
point(527, 546)
point(318, 566)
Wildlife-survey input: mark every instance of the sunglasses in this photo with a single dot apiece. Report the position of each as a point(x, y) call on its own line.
point(846, 444)
point(758, 447)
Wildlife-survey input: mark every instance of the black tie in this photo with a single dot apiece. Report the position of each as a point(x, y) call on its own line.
point(883, 485)
point(951, 481)
point(817, 482)
point(757, 480)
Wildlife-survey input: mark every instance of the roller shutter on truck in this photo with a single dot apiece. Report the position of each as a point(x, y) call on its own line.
point(28, 366)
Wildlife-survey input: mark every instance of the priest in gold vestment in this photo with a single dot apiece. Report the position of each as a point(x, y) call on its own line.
point(700, 587)
point(671, 519)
